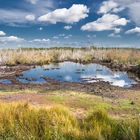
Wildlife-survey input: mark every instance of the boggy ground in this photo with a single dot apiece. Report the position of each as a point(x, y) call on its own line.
point(79, 97)
point(100, 88)
point(28, 111)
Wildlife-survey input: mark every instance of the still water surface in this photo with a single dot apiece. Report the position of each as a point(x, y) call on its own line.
point(75, 72)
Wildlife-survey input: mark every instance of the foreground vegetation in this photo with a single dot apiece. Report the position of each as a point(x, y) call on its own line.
point(84, 117)
point(44, 56)
point(21, 121)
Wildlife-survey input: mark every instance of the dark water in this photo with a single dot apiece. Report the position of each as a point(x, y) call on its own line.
point(75, 72)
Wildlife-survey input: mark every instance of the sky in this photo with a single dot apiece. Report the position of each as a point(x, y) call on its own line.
point(69, 23)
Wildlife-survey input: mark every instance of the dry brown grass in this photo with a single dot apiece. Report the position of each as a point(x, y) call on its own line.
point(44, 56)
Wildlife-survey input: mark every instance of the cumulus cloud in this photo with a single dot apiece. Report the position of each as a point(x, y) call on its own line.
point(2, 33)
point(5, 39)
point(19, 16)
point(68, 27)
point(110, 7)
point(30, 17)
point(135, 30)
point(106, 22)
point(72, 15)
point(133, 7)
point(11, 39)
point(107, 6)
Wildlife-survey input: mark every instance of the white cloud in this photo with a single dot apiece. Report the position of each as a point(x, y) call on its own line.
point(107, 6)
point(115, 6)
point(121, 22)
point(17, 17)
point(134, 13)
point(117, 30)
point(32, 1)
point(11, 39)
point(135, 30)
point(30, 17)
point(67, 27)
point(2, 33)
point(118, 9)
point(133, 7)
point(41, 40)
point(114, 35)
point(12, 16)
point(72, 15)
point(106, 22)
point(110, 6)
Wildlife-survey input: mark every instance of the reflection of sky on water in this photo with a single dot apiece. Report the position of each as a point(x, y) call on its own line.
point(75, 72)
point(5, 81)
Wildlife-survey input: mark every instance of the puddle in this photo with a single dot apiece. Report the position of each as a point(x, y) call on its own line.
point(5, 81)
point(75, 72)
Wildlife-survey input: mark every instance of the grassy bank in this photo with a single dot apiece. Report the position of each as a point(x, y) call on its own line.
point(22, 121)
point(44, 56)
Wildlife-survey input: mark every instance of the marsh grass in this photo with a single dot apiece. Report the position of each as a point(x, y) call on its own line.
point(21, 121)
point(45, 56)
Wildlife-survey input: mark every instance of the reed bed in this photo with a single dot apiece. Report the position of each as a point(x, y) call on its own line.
point(21, 121)
point(45, 56)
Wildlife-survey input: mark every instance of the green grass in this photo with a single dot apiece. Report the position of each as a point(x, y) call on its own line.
point(76, 101)
point(21, 121)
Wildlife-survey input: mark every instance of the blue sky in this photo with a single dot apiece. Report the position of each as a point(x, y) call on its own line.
point(51, 23)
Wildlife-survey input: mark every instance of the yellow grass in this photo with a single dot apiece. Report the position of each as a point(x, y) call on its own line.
point(21, 121)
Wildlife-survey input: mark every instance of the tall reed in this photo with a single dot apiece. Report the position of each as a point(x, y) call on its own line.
point(44, 56)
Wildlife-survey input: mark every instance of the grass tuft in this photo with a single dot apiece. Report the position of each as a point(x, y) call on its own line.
point(22, 121)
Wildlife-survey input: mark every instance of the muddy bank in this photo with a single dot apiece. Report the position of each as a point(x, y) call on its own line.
point(135, 70)
point(103, 89)
point(12, 71)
